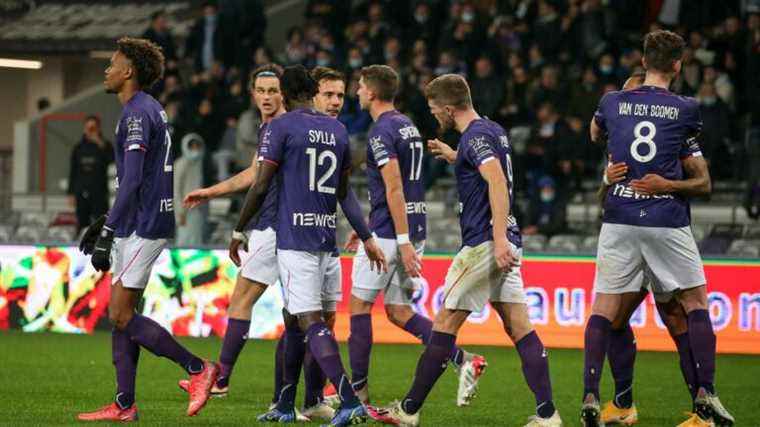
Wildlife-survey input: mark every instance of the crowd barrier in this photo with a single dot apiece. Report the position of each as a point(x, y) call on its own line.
point(56, 289)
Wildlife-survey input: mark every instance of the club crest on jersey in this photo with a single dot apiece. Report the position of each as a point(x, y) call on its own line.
point(318, 136)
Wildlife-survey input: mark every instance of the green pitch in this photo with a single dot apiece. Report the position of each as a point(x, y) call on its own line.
point(46, 379)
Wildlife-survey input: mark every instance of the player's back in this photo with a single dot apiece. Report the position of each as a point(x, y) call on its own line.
point(143, 126)
point(651, 130)
point(394, 135)
point(311, 149)
point(483, 141)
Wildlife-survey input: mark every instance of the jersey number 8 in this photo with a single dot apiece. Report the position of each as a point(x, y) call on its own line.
point(647, 139)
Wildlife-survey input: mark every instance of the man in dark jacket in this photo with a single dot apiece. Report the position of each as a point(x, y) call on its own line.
point(159, 33)
point(88, 175)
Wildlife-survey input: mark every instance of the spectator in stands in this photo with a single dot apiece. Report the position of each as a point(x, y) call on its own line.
point(159, 33)
point(296, 49)
point(88, 174)
point(204, 43)
point(487, 87)
point(188, 175)
point(547, 210)
point(716, 134)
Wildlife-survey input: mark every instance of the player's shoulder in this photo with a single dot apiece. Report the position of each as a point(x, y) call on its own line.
point(482, 130)
point(614, 95)
point(145, 106)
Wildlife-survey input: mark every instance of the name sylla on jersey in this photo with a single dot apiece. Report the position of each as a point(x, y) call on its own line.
point(645, 110)
point(318, 136)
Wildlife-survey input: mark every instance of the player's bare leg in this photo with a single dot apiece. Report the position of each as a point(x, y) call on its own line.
point(244, 296)
point(535, 363)
point(702, 343)
point(142, 331)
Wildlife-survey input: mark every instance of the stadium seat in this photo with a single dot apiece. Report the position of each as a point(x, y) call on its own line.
point(744, 248)
point(30, 234)
point(62, 234)
point(700, 231)
point(6, 232)
point(589, 244)
point(564, 243)
point(534, 243)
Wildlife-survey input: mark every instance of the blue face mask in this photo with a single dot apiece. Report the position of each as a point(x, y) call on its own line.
point(323, 62)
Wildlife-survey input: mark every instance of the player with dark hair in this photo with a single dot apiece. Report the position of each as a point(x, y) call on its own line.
point(487, 267)
point(398, 220)
point(331, 90)
point(137, 229)
point(645, 234)
point(307, 153)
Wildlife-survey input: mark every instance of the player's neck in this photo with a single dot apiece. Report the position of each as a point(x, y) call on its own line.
point(268, 118)
point(377, 108)
point(462, 119)
point(656, 79)
point(126, 93)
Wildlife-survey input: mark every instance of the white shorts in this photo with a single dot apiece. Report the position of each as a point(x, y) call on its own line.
point(133, 259)
point(631, 257)
point(396, 284)
point(310, 280)
point(260, 262)
point(474, 278)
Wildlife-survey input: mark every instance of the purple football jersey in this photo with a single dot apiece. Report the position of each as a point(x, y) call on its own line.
point(268, 213)
point(483, 141)
point(394, 136)
point(311, 151)
point(651, 130)
point(143, 126)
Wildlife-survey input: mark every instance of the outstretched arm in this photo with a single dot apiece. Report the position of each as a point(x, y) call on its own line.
point(243, 180)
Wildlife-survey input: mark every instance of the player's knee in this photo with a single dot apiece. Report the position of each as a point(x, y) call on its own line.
point(330, 319)
point(119, 317)
point(398, 314)
point(449, 321)
point(305, 320)
point(693, 299)
point(360, 306)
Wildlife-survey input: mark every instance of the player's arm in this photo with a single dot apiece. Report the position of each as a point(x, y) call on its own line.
point(597, 135)
point(698, 182)
point(394, 195)
point(441, 150)
point(490, 170)
point(253, 201)
point(240, 182)
point(597, 127)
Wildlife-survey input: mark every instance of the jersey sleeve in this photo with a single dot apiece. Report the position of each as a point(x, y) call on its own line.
point(478, 149)
point(343, 137)
point(272, 144)
point(381, 146)
point(599, 117)
point(138, 130)
point(693, 123)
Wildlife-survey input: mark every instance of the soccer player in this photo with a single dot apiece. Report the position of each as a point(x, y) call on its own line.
point(259, 270)
point(398, 220)
point(308, 152)
point(487, 266)
point(645, 229)
point(137, 229)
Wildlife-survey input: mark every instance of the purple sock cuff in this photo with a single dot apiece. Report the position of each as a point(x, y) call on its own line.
point(315, 328)
point(597, 321)
point(699, 315)
point(528, 341)
point(443, 339)
point(361, 319)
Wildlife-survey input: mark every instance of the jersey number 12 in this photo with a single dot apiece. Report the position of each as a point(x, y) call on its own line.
point(321, 159)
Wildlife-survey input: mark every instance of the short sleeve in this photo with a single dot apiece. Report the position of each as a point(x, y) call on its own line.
point(272, 143)
point(599, 118)
point(137, 131)
point(381, 146)
point(479, 150)
point(693, 123)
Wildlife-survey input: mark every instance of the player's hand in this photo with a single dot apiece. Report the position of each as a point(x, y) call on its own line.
point(441, 150)
point(651, 184)
point(352, 243)
point(196, 198)
point(505, 259)
point(616, 172)
point(90, 236)
point(239, 240)
point(412, 262)
point(376, 256)
point(101, 254)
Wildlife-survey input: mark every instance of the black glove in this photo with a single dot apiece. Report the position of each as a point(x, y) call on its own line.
point(101, 256)
point(90, 236)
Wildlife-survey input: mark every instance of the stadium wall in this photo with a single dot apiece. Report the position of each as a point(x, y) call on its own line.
point(56, 289)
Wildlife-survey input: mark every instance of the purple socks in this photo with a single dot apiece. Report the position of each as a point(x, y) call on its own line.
point(597, 339)
point(702, 343)
point(622, 356)
point(234, 340)
point(160, 342)
point(295, 348)
point(324, 349)
point(125, 354)
point(535, 366)
point(314, 381)
point(430, 367)
point(359, 348)
point(422, 327)
point(688, 369)
point(279, 363)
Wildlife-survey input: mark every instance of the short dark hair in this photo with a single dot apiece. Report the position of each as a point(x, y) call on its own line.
point(157, 14)
point(662, 49)
point(382, 79)
point(146, 57)
point(297, 85)
point(449, 89)
point(92, 117)
point(266, 70)
point(326, 73)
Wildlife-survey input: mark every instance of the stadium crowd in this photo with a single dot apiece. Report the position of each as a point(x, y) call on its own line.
point(538, 67)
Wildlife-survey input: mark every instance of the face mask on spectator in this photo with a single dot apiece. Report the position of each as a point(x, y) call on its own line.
point(420, 18)
point(323, 62)
point(606, 69)
point(468, 17)
point(547, 195)
point(193, 154)
point(355, 63)
point(707, 100)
